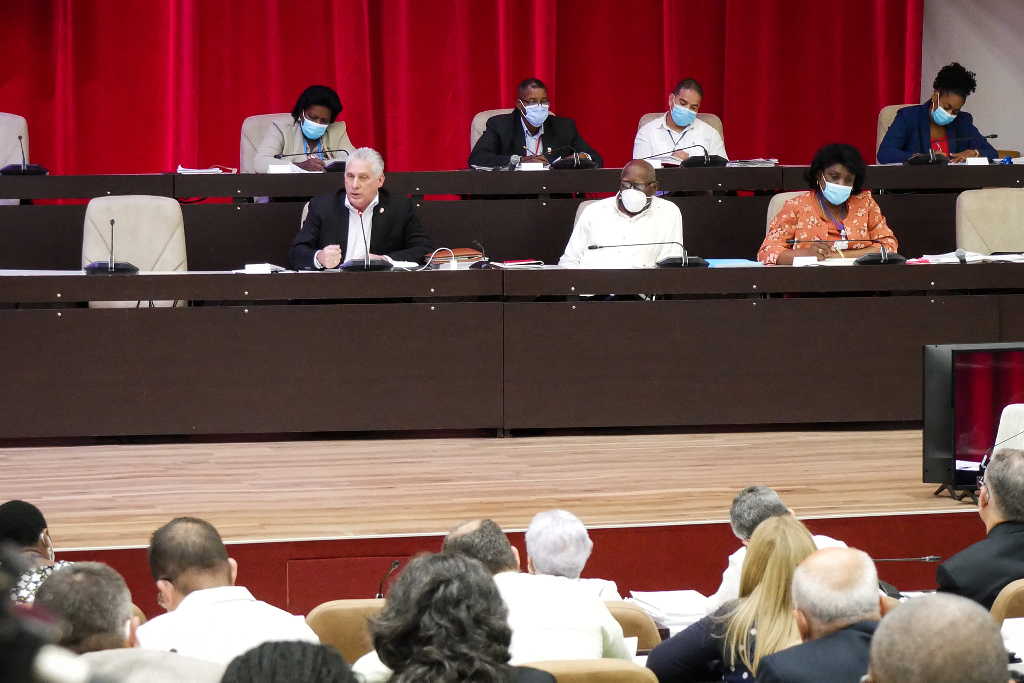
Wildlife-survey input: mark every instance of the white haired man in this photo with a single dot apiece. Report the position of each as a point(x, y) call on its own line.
point(938, 638)
point(361, 217)
point(557, 544)
point(750, 507)
point(838, 606)
point(981, 570)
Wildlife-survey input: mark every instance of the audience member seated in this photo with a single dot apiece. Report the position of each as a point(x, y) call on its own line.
point(664, 137)
point(837, 218)
point(341, 224)
point(633, 216)
point(529, 133)
point(838, 605)
point(558, 544)
point(94, 608)
point(23, 526)
point(444, 620)
point(938, 638)
point(289, 662)
point(981, 570)
point(315, 130)
point(750, 507)
point(729, 644)
point(208, 617)
point(940, 124)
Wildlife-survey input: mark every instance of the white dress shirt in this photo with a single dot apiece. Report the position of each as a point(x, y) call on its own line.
point(218, 624)
point(730, 587)
point(602, 588)
point(551, 617)
point(603, 222)
point(358, 225)
point(655, 137)
point(533, 141)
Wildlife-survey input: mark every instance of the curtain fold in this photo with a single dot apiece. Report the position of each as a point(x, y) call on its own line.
point(137, 86)
point(984, 383)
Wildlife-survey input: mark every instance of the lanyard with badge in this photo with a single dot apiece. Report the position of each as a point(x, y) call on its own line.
point(318, 152)
point(841, 244)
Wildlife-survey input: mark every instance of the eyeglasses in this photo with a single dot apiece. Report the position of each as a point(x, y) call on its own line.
point(627, 185)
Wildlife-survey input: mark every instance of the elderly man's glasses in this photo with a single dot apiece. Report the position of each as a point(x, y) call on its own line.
point(626, 185)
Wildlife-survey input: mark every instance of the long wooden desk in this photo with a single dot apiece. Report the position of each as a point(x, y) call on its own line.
point(512, 214)
point(319, 352)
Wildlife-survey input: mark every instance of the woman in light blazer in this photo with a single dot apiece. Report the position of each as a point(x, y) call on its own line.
point(312, 135)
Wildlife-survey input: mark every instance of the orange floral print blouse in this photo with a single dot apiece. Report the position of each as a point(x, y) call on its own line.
point(801, 218)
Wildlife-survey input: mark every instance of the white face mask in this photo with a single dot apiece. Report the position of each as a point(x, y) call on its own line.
point(633, 200)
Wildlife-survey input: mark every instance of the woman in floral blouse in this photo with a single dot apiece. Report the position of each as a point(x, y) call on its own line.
point(23, 526)
point(837, 218)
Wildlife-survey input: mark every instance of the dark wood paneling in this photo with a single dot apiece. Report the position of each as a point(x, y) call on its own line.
point(220, 370)
point(955, 177)
point(41, 237)
point(227, 236)
point(923, 223)
point(85, 186)
point(723, 226)
point(591, 364)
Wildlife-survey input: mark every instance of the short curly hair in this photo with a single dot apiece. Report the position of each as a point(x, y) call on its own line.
point(837, 153)
point(955, 78)
point(444, 620)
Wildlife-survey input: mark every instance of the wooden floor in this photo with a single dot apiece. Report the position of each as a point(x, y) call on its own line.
point(101, 496)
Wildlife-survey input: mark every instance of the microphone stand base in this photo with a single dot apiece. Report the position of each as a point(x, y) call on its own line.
point(18, 169)
point(103, 268)
point(677, 262)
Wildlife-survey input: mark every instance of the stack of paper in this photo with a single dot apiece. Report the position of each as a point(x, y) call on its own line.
point(674, 610)
point(200, 171)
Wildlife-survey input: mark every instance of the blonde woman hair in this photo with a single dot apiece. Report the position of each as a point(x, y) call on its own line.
point(777, 546)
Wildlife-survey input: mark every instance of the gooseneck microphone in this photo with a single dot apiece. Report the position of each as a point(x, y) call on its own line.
point(883, 257)
point(925, 558)
point(366, 263)
point(24, 168)
point(708, 160)
point(938, 159)
point(683, 261)
point(110, 267)
point(307, 154)
point(395, 564)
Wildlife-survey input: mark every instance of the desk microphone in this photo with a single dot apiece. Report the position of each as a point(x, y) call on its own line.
point(882, 258)
point(387, 575)
point(683, 261)
point(110, 267)
point(367, 263)
point(926, 558)
point(308, 154)
point(706, 160)
point(24, 168)
point(938, 159)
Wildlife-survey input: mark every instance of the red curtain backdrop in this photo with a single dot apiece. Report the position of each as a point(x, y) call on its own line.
point(134, 86)
point(984, 382)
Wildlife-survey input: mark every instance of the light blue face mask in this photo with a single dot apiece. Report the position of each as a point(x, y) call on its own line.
point(942, 117)
point(535, 114)
point(313, 130)
point(836, 194)
point(682, 116)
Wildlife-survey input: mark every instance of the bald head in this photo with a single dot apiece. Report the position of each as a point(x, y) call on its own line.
point(836, 587)
point(638, 170)
point(483, 540)
point(941, 637)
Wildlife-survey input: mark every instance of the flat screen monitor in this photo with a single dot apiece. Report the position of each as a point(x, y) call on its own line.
point(966, 387)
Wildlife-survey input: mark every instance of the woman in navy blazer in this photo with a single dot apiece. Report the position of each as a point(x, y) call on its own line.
point(937, 124)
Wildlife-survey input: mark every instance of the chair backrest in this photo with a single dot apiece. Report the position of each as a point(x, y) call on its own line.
point(253, 129)
point(990, 220)
point(1011, 427)
point(1009, 604)
point(476, 128)
point(595, 671)
point(343, 624)
point(635, 623)
point(885, 118)
point(710, 119)
point(775, 205)
point(11, 126)
point(579, 210)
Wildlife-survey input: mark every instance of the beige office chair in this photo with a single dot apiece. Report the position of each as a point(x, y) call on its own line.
point(635, 623)
point(1009, 604)
point(579, 210)
point(11, 126)
point(343, 624)
point(1011, 427)
point(253, 129)
point(775, 205)
point(885, 118)
point(149, 232)
point(710, 119)
point(479, 124)
point(990, 220)
point(595, 671)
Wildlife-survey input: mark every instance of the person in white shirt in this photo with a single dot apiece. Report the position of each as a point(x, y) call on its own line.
point(750, 507)
point(661, 140)
point(551, 617)
point(557, 544)
point(208, 617)
point(633, 216)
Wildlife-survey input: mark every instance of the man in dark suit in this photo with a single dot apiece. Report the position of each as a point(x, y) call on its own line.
point(359, 218)
point(838, 606)
point(529, 133)
point(981, 570)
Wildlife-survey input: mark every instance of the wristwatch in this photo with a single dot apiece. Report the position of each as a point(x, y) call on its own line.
point(513, 160)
